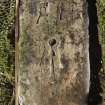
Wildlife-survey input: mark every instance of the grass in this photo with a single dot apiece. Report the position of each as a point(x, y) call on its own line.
point(7, 15)
point(101, 17)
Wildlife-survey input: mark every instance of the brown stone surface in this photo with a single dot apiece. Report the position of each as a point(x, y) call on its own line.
point(54, 60)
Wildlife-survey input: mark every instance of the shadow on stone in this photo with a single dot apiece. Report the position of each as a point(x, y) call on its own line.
point(95, 53)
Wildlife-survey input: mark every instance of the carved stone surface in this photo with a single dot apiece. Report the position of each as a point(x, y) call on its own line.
point(54, 56)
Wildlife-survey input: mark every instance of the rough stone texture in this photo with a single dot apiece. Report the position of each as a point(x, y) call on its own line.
point(54, 59)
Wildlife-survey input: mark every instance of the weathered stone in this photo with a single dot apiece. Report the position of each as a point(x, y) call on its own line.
point(54, 52)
